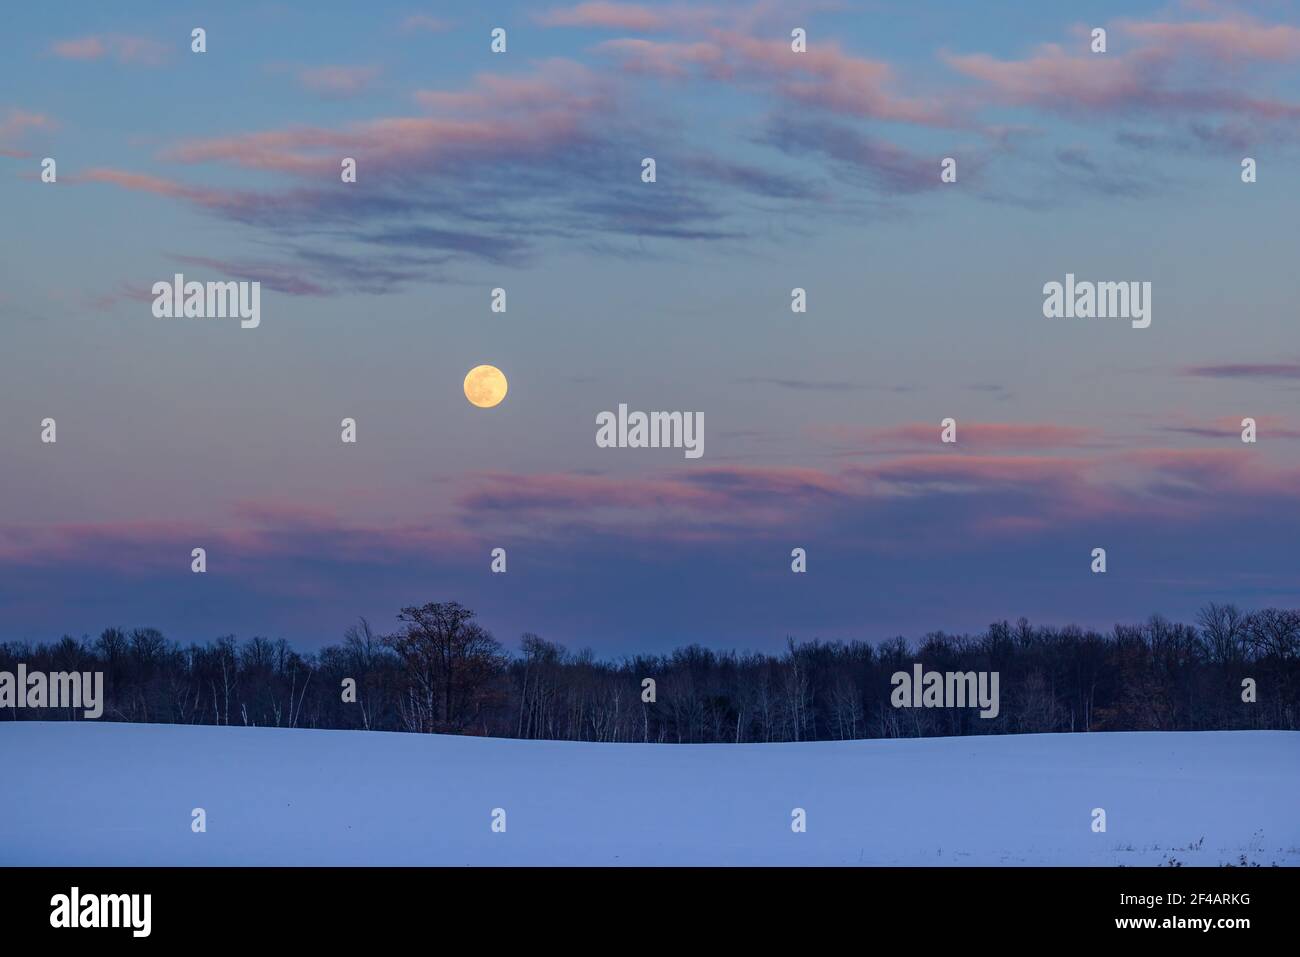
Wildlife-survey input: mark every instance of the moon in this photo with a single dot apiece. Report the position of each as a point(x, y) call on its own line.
point(485, 386)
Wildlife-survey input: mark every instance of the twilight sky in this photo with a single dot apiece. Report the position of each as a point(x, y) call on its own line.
point(522, 170)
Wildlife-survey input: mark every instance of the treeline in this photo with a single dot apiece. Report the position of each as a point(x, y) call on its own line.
point(439, 671)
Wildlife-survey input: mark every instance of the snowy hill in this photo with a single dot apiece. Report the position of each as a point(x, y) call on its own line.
point(88, 793)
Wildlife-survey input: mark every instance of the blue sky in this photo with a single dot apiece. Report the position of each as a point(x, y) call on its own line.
point(521, 170)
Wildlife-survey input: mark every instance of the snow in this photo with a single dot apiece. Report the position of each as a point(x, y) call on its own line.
point(93, 793)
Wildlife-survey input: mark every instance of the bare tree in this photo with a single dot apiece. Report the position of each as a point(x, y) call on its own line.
point(450, 658)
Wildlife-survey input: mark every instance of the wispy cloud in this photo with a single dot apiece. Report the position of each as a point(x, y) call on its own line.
point(1246, 370)
point(275, 276)
point(824, 77)
point(1153, 75)
point(423, 23)
point(544, 166)
point(1224, 41)
point(1229, 427)
point(982, 436)
point(15, 124)
point(855, 155)
point(337, 82)
point(157, 185)
point(121, 48)
point(633, 17)
point(518, 160)
point(802, 385)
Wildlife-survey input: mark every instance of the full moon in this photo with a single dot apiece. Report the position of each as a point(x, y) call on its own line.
point(485, 386)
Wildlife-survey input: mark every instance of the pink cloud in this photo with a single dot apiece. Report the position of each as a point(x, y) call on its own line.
point(1217, 469)
point(271, 531)
point(970, 435)
point(16, 124)
point(87, 48)
point(786, 482)
point(564, 492)
point(337, 81)
point(421, 22)
point(978, 469)
point(157, 185)
point(1160, 73)
point(1008, 496)
point(75, 542)
point(1151, 76)
point(1226, 41)
point(676, 60)
point(725, 44)
point(1011, 496)
point(1247, 370)
point(711, 504)
point(121, 48)
point(830, 78)
point(280, 150)
point(1014, 494)
point(555, 85)
point(1052, 76)
point(625, 16)
point(825, 76)
point(549, 111)
point(1230, 427)
point(730, 500)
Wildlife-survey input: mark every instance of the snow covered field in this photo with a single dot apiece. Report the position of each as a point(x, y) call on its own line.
point(89, 793)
